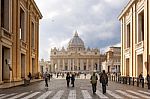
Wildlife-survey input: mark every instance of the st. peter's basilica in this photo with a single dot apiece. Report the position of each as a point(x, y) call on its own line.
point(76, 57)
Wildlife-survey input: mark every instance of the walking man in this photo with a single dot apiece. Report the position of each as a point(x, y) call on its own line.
point(72, 80)
point(94, 82)
point(46, 79)
point(68, 79)
point(104, 81)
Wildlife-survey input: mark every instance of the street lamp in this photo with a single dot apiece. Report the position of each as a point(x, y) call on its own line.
point(10, 69)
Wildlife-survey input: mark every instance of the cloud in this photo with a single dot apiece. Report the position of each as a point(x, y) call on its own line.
point(95, 20)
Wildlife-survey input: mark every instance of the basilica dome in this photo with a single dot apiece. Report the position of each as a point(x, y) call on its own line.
point(76, 43)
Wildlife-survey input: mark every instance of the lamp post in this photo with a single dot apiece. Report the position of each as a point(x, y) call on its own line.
point(10, 69)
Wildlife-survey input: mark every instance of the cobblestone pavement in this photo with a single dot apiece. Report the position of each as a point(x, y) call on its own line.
point(57, 90)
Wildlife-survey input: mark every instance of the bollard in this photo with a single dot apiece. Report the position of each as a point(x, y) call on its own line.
point(126, 80)
point(129, 81)
point(142, 82)
point(137, 82)
point(148, 84)
point(133, 81)
point(148, 80)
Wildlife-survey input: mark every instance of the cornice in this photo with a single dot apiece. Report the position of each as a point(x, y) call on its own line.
point(126, 8)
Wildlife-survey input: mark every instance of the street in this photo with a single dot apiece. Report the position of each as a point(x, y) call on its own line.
point(58, 90)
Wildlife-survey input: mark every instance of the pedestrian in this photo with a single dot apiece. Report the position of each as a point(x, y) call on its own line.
point(104, 81)
point(72, 80)
point(148, 81)
point(30, 76)
point(68, 79)
point(141, 77)
point(57, 75)
point(46, 79)
point(85, 75)
point(94, 82)
point(48, 76)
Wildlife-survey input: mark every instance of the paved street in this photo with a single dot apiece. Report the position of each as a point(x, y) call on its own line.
point(57, 90)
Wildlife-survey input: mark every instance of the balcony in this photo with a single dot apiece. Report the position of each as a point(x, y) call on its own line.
point(139, 45)
point(6, 34)
point(23, 44)
point(127, 51)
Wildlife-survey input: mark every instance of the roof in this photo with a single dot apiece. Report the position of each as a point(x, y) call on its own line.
point(37, 9)
point(126, 8)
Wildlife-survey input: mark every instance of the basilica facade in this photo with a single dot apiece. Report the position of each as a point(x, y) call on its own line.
point(76, 57)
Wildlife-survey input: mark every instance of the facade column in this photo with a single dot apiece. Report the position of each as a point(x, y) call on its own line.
point(92, 65)
point(81, 64)
point(58, 65)
point(98, 66)
point(63, 65)
point(52, 66)
point(68, 65)
point(73, 65)
point(87, 64)
point(77, 64)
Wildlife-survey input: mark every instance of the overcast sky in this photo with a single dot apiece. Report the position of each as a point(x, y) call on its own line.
point(95, 20)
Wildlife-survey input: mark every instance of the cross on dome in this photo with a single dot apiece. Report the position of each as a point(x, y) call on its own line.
point(76, 33)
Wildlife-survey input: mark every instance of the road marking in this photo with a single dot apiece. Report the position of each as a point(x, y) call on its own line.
point(86, 94)
point(114, 94)
point(19, 95)
point(126, 94)
point(45, 95)
point(31, 95)
point(144, 92)
point(139, 94)
point(58, 94)
point(3, 97)
point(101, 95)
point(72, 94)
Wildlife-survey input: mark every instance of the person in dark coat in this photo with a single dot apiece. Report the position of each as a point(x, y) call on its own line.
point(94, 79)
point(72, 80)
point(68, 79)
point(30, 76)
point(104, 81)
point(148, 81)
point(46, 79)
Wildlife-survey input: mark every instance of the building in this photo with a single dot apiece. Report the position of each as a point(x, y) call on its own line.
point(44, 66)
point(76, 57)
point(113, 60)
point(19, 39)
point(135, 29)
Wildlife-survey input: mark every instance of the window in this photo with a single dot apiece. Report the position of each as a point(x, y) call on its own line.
point(141, 26)
point(22, 24)
point(33, 34)
point(5, 14)
point(128, 36)
point(66, 67)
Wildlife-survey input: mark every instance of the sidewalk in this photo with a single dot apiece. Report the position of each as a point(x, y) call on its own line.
point(14, 84)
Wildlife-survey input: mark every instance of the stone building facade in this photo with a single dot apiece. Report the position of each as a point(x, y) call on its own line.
point(19, 39)
point(76, 57)
point(44, 66)
point(113, 60)
point(135, 29)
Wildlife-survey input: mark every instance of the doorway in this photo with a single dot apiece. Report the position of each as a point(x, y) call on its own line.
point(5, 63)
point(22, 65)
